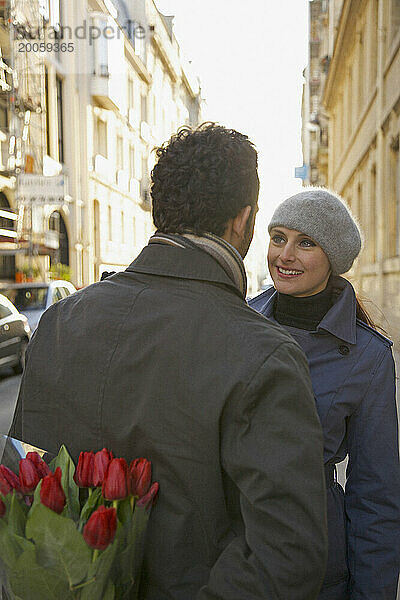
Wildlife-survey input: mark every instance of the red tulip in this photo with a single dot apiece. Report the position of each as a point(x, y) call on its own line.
point(101, 462)
point(83, 475)
point(147, 500)
point(100, 529)
point(115, 485)
point(28, 476)
point(2, 509)
point(140, 476)
point(8, 481)
point(51, 493)
point(39, 463)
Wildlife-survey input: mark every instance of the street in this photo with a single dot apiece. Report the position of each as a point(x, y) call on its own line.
point(9, 386)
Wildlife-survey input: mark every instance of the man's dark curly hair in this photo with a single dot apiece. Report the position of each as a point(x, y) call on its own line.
point(202, 178)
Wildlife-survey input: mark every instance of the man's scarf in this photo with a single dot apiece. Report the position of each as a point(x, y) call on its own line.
point(223, 252)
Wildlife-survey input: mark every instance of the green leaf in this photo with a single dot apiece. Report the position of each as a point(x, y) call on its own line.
point(7, 501)
point(30, 581)
point(6, 586)
point(129, 565)
point(90, 505)
point(11, 545)
point(100, 573)
point(65, 462)
point(139, 522)
point(59, 543)
point(17, 516)
point(110, 592)
point(9, 549)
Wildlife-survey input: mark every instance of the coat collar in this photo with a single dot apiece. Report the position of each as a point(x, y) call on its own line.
point(340, 320)
point(182, 263)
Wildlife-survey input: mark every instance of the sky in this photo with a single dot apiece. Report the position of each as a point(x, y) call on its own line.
point(250, 58)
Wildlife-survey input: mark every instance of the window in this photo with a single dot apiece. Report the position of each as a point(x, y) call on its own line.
point(64, 291)
point(395, 18)
point(374, 45)
point(96, 216)
point(361, 72)
point(3, 117)
point(120, 153)
point(4, 311)
point(27, 298)
point(60, 122)
point(143, 107)
point(132, 161)
point(56, 296)
point(131, 92)
point(394, 199)
point(350, 99)
point(109, 218)
point(101, 137)
point(54, 221)
point(145, 176)
point(46, 79)
point(372, 228)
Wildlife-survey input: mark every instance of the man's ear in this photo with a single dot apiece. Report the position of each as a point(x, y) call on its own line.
point(240, 221)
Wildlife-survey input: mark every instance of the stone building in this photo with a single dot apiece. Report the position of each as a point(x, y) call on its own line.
point(110, 83)
point(22, 137)
point(360, 98)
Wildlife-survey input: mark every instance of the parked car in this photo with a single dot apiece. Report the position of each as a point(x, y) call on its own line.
point(14, 336)
point(32, 299)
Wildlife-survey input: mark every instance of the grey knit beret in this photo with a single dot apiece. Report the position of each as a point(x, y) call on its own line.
point(322, 214)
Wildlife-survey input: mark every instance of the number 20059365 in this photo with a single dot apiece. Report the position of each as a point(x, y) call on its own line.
point(45, 47)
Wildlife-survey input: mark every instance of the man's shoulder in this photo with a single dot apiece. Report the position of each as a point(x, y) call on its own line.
point(256, 335)
point(99, 302)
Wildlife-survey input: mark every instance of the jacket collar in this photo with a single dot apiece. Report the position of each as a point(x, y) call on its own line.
point(340, 320)
point(182, 263)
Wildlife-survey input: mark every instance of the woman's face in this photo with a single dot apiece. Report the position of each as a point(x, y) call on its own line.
point(298, 266)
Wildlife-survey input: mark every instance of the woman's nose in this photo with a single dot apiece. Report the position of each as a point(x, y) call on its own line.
point(288, 252)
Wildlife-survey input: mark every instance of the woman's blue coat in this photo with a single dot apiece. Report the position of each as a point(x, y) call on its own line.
point(352, 372)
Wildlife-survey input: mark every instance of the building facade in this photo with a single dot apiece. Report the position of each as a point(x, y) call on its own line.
point(359, 99)
point(99, 85)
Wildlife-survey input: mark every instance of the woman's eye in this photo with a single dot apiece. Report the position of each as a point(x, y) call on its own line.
point(277, 239)
point(307, 243)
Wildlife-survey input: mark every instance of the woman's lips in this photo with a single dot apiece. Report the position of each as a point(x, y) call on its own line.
point(288, 273)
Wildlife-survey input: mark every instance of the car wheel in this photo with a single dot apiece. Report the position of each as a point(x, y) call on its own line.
point(20, 366)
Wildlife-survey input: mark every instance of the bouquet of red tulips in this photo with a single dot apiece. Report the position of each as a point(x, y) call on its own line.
point(69, 532)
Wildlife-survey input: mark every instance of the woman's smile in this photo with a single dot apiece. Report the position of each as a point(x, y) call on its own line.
point(288, 273)
point(298, 265)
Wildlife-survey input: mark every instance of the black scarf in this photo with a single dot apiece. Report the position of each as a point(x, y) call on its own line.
point(305, 312)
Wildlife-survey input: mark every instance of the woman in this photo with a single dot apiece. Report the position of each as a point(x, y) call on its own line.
point(314, 239)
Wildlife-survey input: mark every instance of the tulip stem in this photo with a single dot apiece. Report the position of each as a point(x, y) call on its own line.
point(95, 555)
point(90, 492)
point(115, 504)
point(132, 501)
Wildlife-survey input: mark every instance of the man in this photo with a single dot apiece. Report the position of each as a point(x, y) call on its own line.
point(166, 360)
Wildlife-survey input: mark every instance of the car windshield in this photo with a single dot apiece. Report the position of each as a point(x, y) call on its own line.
point(27, 298)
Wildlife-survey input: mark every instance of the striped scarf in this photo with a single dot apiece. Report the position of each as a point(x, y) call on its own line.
point(223, 252)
